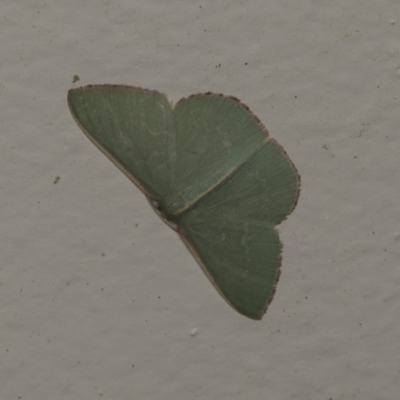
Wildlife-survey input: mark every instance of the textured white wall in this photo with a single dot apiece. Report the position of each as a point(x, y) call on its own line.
point(98, 297)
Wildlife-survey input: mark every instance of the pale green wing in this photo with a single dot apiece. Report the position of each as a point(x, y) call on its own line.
point(231, 230)
point(214, 134)
point(132, 126)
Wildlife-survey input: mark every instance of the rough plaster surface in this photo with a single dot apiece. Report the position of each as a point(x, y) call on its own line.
point(100, 299)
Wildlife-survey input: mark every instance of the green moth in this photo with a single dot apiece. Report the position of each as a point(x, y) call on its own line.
point(210, 170)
